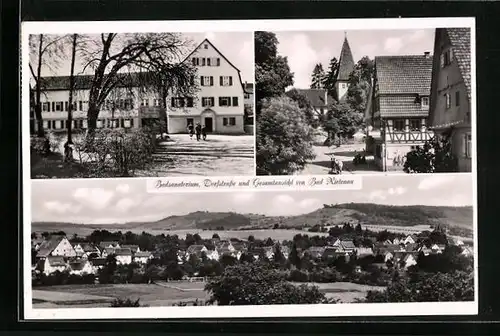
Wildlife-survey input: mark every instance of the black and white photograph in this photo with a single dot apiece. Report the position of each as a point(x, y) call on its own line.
point(364, 101)
point(141, 104)
point(110, 243)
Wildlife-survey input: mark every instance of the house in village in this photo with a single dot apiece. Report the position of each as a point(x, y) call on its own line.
point(133, 248)
point(123, 256)
point(90, 250)
point(450, 101)
point(109, 244)
point(56, 246)
point(107, 252)
point(409, 260)
point(315, 252)
point(248, 99)
point(142, 257)
point(80, 267)
point(398, 110)
point(36, 243)
point(195, 250)
point(319, 100)
point(363, 252)
point(51, 264)
point(218, 103)
point(410, 239)
point(97, 264)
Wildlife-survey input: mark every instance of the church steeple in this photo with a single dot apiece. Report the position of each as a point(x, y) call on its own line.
point(346, 66)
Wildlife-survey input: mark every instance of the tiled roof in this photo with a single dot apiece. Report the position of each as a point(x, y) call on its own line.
point(460, 41)
point(346, 62)
point(108, 243)
point(83, 82)
point(401, 106)
point(409, 74)
point(349, 244)
point(55, 261)
point(195, 249)
point(123, 252)
point(49, 245)
point(78, 265)
point(316, 97)
point(143, 254)
point(98, 262)
point(132, 247)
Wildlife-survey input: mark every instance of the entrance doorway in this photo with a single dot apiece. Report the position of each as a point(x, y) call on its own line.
point(209, 124)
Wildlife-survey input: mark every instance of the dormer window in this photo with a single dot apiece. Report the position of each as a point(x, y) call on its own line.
point(424, 101)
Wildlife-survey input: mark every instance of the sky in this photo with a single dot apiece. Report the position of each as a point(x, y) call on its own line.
point(107, 201)
point(305, 49)
point(236, 46)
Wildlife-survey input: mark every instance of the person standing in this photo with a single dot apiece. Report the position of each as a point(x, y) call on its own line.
point(198, 132)
point(190, 131)
point(204, 132)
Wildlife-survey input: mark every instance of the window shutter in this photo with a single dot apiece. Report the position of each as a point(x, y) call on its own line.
point(203, 102)
point(173, 101)
point(220, 101)
point(235, 101)
point(218, 61)
point(212, 101)
point(220, 81)
point(208, 61)
point(441, 60)
point(230, 80)
point(194, 61)
point(211, 81)
point(202, 81)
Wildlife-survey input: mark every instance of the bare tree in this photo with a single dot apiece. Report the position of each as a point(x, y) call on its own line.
point(110, 54)
point(45, 51)
point(71, 86)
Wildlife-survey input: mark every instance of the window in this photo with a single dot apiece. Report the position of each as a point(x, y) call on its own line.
point(399, 124)
point(203, 61)
point(457, 98)
point(46, 124)
point(218, 61)
point(178, 102)
point(209, 61)
point(46, 107)
point(189, 121)
point(145, 102)
point(343, 85)
point(205, 46)
point(446, 58)
point(189, 102)
point(235, 101)
point(247, 96)
point(196, 61)
point(59, 106)
point(207, 81)
point(62, 123)
point(448, 100)
point(156, 102)
point(65, 106)
point(425, 102)
point(224, 101)
point(468, 145)
point(191, 80)
point(226, 80)
point(231, 121)
point(80, 105)
point(207, 101)
point(415, 124)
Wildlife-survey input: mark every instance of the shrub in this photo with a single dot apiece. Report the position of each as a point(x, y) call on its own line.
point(298, 276)
point(40, 145)
point(359, 159)
point(256, 284)
point(126, 303)
point(433, 157)
point(284, 138)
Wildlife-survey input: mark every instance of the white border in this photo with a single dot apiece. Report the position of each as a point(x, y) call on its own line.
point(385, 309)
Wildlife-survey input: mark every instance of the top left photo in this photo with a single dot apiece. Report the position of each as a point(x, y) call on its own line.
point(139, 104)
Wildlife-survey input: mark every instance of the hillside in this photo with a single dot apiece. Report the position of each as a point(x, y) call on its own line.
point(373, 214)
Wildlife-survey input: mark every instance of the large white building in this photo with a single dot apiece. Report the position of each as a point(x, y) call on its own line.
point(218, 103)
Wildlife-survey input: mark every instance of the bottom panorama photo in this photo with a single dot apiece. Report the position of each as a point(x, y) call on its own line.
point(110, 243)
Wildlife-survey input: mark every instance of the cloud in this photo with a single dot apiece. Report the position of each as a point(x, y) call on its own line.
point(417, 35)
point(393, 44)
point(396, 191)
point(377, 195)
point(210, 36)
point(243, 197)
point(310, 203)
point(435, 181)
point(123, 188)
point(125, 204)
point(61, 208)
point(97, 198)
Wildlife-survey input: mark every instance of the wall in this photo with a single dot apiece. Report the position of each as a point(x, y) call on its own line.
point(458, 149)
point(216, 91)
point(249, 129)
point(447, 80)
point(394, 156)
point(342, 88)
point(64, 249)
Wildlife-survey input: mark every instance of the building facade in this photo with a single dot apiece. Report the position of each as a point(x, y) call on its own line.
point(218, 103)
point(450, 102)
point(397, 114)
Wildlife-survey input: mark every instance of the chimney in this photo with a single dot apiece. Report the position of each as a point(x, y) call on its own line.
point(427, 54)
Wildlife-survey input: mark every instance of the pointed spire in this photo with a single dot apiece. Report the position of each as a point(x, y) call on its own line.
point(346, 61)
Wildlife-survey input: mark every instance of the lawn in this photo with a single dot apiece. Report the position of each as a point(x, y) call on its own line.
point(150, 295)
point(345, 292)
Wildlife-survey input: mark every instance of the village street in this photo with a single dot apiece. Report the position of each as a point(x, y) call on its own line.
point(345, 153)
point(219, 155)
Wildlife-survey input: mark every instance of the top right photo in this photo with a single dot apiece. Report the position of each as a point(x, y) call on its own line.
point(364, 101)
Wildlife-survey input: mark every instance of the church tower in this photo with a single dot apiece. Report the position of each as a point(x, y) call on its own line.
point(346, 66)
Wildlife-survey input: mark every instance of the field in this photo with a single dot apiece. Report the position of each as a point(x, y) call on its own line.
point(161, 294)
point(154, 295)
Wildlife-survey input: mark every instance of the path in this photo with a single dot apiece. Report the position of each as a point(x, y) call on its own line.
point(218, 156)
point(321, 164)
